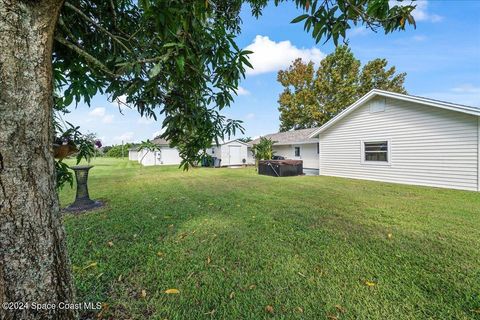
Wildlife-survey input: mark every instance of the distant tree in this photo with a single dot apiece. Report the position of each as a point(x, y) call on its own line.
point(245, 139)
point(118, 151)
point(375, 75)
point(310, 98)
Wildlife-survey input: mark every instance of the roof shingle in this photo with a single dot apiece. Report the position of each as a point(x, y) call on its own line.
point(289, 137)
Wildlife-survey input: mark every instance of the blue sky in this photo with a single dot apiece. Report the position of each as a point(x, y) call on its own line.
point(441, 57)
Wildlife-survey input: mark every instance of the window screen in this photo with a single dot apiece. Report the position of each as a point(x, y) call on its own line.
point(376, 151)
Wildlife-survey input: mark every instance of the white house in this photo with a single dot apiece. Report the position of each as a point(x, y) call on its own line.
point(399, 138)
point(297, 145)
point(165, 155)
point(231, 153)
point(133, 154)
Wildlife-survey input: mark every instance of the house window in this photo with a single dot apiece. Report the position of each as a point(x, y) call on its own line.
point(213, 150)
point(297, 151)
point(376, 151)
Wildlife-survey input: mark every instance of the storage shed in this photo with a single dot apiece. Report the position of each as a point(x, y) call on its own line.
point(165, 155)
point(231, 153)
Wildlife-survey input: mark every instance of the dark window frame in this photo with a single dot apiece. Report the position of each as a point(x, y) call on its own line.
point(297, 154)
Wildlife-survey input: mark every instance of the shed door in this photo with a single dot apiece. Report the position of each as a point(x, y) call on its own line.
point(235, 155)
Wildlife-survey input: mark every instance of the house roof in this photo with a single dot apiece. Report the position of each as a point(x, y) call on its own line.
point(404, 97)
point(221, 142)
point(300, 136)
point(161, 142)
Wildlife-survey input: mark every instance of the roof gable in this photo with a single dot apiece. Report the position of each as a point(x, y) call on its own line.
point(404, 97)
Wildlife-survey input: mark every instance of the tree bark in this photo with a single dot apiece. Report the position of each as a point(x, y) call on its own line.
point(34, 266)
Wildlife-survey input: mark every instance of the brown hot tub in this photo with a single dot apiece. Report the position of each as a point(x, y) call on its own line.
point(280, 168)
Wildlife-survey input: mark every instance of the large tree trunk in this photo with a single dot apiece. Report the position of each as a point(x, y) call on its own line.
point(34, 266)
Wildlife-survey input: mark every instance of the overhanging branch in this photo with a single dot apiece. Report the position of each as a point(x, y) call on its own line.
point(87, 56)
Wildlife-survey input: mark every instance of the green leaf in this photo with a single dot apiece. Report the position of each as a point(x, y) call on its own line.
point(300, 18)
point(155, 70)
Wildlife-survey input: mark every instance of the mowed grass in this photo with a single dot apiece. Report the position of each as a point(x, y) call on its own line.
point(242, 246)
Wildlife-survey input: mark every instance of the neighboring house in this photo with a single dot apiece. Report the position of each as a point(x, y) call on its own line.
point(133, 153)
point(163, 156)
point(231, 153)
point(399, 138)
point(295, 144)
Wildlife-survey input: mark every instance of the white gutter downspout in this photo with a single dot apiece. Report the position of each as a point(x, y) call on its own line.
point(319, 156)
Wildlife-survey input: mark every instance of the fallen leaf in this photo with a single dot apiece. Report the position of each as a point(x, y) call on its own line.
point(91, 265)
point(172, 291)
point(209, 260)
point(105, 307)
point(252, 286)
point(389, 236)
point(90, 242)
point(232, 295)
point(332, 317)
point(110, 243)
point(269, 309)
point(143, 294)
point(370, 283)
point(298, 309)
point(340, 308)
point(210, 313)
point(159, 253)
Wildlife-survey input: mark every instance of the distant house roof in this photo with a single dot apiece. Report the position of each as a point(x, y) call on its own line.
point(134, 147)
point(404, 97)
point(221, 142)
point(300, 136)
point(161, 142)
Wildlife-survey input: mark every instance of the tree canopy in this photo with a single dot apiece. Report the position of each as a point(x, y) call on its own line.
point(310, 98)
point(179, 58)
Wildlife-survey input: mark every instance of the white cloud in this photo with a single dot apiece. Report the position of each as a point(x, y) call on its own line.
point(420, 13)
point(97, 112)
point(270, 56)
point(241, 91)
point(125, 137)
point(419, 38)
point(146, 121)
point(358, 31)
point(250, 116)
point(467, 88)
point(466, 94)
point(107, 118)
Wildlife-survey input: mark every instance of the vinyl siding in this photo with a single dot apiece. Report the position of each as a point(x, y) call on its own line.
point(308, 153)
point(428, 146)
point(166, 156)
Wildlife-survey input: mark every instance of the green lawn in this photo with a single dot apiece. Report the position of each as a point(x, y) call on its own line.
point(309, 247)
